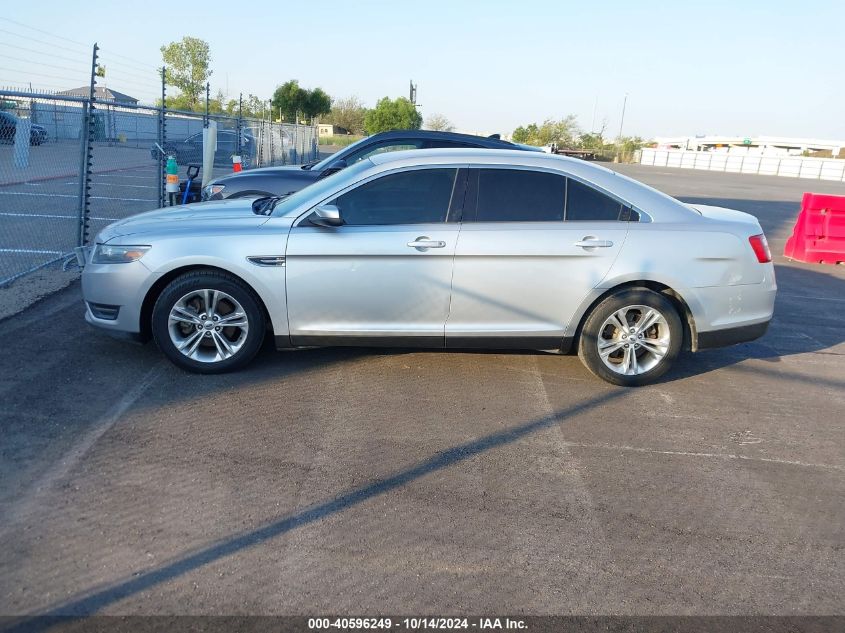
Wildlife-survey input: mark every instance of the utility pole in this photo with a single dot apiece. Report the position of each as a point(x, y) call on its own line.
point(622, 118)
point(412, 97)
point(593, 124)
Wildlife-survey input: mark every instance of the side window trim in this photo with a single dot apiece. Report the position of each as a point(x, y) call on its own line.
point(470, 211)
point(459, 195)
point(604, 192)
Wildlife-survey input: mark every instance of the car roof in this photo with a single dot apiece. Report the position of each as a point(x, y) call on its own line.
point(640, 195)
point(457, 137)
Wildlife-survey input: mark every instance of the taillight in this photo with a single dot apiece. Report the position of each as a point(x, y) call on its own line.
point(761, 248)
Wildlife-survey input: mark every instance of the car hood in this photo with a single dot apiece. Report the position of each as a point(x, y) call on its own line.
point(289, 172)
point(228, 214)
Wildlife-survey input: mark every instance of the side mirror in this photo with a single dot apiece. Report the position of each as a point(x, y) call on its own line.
point(326, 215)
point(335, 166)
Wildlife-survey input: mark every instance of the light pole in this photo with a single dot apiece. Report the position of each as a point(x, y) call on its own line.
point(622, 118)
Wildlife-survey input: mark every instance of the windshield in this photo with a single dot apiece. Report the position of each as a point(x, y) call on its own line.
point(327, 161)
point(321, 188)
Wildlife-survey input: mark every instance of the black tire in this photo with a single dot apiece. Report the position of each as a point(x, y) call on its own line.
point(193, 282)
point(595, 327)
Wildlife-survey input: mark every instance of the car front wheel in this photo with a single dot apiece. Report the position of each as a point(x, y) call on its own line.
point(208, 322)
point(631, 338)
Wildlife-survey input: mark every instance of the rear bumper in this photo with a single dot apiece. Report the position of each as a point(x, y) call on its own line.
point(731, 335)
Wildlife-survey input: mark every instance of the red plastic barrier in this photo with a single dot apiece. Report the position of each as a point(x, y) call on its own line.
point(819, 233)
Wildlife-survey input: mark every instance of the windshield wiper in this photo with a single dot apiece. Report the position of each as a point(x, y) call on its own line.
point(264, 206)
point(309, 165)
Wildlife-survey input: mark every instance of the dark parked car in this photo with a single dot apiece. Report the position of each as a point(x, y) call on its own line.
point(9, 125)
point(279, 181)
point(189, 151)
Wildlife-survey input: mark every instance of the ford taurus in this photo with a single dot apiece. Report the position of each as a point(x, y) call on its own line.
point(441, 248)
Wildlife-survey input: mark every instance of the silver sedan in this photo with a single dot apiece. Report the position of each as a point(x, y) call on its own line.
point(446, 248)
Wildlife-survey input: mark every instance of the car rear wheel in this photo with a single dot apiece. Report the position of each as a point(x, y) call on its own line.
point(208, 322)
point(631, 338)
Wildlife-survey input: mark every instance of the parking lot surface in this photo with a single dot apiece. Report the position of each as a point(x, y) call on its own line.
point(394, 481)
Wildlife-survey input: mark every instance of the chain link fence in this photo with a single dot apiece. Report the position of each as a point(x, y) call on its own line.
point(69, 166)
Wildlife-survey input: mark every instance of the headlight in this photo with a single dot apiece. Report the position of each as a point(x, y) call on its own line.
point(117, 254)
point(212, 190)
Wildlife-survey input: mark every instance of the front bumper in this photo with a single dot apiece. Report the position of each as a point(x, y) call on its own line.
point(120, 288)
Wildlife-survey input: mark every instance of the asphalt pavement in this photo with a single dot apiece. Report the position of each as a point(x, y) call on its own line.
point(397, 481)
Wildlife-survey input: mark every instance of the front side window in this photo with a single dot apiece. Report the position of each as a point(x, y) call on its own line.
point(518, 195)
point(585, 203)
point(410, 197)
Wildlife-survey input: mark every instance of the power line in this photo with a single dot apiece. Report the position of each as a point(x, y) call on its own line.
point(32, 28)
point(13, 70)
point(37, 52)
point(27, 61)
point(32, 39)
point(139, 65)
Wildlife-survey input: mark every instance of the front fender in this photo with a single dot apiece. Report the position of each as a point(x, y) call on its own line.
point(268, 282)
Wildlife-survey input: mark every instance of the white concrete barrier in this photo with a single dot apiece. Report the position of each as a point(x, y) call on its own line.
point(788, 167)
point(833, 170)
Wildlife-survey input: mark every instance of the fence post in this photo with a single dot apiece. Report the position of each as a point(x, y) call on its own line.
point(260, 145)
point(240, 120)
point(86, 154)
point(162, 159)
point(271, 153)
point(207, 97)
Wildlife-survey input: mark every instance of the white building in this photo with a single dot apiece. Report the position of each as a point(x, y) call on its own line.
point(756, 145)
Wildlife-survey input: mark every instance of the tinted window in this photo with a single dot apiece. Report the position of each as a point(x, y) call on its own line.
point(511, 195)
point(380, 148)
point(410, 197)
point(585, 203)
point(437, 143)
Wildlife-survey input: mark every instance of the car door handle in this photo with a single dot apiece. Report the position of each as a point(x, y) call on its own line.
point(423, 242)
point(591, 242)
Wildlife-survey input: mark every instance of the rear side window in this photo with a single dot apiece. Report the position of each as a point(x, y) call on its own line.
point(398, 145)
point(585, 203)
point(517, 195)
point(410, 197)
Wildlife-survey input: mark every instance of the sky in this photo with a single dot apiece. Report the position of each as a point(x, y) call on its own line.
point(737, 68)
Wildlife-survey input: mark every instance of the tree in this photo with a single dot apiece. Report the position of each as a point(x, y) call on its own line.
point(347, 113)
point(562, 132)
point(396, 114)
point(288, 100)
point(252, 107)
point(317, 103)
point(439, 123)
point(187, 64)
point(291, 101)
point(627, 145)
point(520, 135)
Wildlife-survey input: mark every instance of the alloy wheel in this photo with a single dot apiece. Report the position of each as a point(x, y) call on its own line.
point(208, 325)
point(634, 340)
